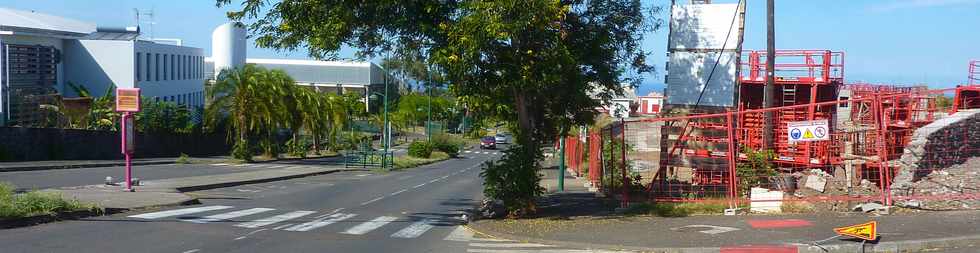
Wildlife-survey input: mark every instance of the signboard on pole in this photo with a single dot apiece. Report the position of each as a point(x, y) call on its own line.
point(620, 109)
point(813, 130)
point(129, 134)
point(127, 99)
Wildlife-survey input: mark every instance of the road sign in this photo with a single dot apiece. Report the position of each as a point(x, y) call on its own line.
point(866, 231)
point(620, 109)
point(813, 130)
point(127, 99)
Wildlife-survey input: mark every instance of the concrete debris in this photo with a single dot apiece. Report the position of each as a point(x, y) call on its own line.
point(815, 182)
point(868, 207)
point(939, 186)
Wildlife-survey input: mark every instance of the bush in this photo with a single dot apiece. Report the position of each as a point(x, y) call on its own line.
point(514, 179)
point(448, 144)
point(241, 151)
point(297, 148)
point(36, 203)
point(756, 171)
point(404, 162)
point(420, 149)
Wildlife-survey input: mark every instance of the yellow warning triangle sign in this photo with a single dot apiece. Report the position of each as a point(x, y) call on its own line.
point(808, 135)
point(867, 231)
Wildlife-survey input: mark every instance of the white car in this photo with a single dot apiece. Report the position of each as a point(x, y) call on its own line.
point(501, 138)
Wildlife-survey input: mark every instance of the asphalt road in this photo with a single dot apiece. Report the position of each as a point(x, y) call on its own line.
point(41, 179)
point(416, 210)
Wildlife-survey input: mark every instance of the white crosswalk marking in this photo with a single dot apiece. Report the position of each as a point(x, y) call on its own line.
point(231, 215)
point(414, 230)
point(177, 212)
point(318, 223)
point(509, 245)
point(368, 226)
point(275, 219)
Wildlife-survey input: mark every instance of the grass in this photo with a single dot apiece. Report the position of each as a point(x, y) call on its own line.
point(36, 203)
point(674, 209)
point(183, 159)
point(404, 162)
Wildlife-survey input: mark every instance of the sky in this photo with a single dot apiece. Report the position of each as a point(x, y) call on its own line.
point(903, 42)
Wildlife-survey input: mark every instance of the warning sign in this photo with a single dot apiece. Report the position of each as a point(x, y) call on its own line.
point(814, 130)
point(867, 231)
point(128, 100)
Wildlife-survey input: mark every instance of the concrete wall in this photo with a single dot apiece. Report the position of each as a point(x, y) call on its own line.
point(34, 144)
point(98, 64)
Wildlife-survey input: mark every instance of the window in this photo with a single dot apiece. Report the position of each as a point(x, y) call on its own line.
point(172, 69)
point(164, 67)
point(156, 66)
point(845, 104)
point(139, 67)
point(148, 66)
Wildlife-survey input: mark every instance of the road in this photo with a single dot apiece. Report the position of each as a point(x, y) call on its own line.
point(416, 210)
point(41, 179)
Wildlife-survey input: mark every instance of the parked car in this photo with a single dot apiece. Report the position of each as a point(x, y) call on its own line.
point(488, 142)
point(501, 138)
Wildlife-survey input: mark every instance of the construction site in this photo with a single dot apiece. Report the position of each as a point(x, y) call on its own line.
point(757, 129)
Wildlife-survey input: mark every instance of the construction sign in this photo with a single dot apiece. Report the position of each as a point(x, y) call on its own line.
point(813, 130)
point(867, 231)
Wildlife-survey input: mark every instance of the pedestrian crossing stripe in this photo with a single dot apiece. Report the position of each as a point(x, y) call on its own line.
point(274, 219)
point(319, 223)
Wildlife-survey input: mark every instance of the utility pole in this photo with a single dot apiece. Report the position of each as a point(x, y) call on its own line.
point(561, 161)
point(770, 89)
point(428, 116)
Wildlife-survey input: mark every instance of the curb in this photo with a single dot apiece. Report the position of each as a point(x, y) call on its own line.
point(79, 166)
point(924, 245)
point(257, 181)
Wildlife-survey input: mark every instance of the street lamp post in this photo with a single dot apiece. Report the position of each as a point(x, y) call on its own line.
point(386, 131)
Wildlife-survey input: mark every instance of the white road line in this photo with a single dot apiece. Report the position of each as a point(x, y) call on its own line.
point(368, 226)
point(177, 212)
point(275, 219)
point(460, 234)
point(231, 215)
point(277, 166)
point(192, 251)
point(220, 164)
point(508, 245)
point(249, 233)
point(282, 226)
point(331, 212)
point(414, 230)
point(417, 186)
point(467, 151)
point(320, 222)
point(397, 192)
point(434, 180)
point(373, 200)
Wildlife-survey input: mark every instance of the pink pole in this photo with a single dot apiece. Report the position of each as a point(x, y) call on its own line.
point(125, 150)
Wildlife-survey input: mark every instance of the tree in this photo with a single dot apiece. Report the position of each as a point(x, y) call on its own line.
point(249, 102)
point(531, 62)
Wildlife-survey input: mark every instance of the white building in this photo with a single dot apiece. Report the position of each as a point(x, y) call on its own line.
point(41, 54)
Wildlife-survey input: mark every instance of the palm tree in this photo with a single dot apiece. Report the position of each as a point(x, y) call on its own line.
point(241, 96)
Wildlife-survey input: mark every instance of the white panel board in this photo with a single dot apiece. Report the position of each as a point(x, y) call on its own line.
point(688, 73)
point(704, 26)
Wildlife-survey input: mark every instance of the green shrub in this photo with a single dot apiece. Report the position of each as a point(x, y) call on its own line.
point(404, 162)
point(447, 143)
point(420, 149)
point(514, 179)
point(756, 171)
point(36, 203)
point(183, 159)
point(241, 151)
point(297, 148)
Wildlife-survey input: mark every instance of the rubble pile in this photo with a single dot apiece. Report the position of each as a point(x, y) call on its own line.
point(956, 187)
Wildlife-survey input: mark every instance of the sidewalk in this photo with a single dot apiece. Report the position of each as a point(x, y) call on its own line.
point(73, 164)
point(576, 218)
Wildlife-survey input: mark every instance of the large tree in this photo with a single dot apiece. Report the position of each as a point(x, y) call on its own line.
point(530, 62)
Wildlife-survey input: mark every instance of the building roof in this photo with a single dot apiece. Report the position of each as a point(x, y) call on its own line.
point(310, 62)
point(18, 21)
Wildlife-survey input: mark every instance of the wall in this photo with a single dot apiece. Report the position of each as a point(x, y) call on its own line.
point(183, 89)
point(97, 64)
point(34, 144)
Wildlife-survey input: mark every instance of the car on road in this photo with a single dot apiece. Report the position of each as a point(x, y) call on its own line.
point(501, 138)
point(488, 142)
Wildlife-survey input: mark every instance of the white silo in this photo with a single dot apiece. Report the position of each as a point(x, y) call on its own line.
point(228, 44)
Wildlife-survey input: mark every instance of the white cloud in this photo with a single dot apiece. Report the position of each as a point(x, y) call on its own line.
point(886, 6)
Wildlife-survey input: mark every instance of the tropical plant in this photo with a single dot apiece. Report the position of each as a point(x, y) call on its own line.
point(514, 180)
point(420, 149)
point(244, 98)
point(756, 171)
